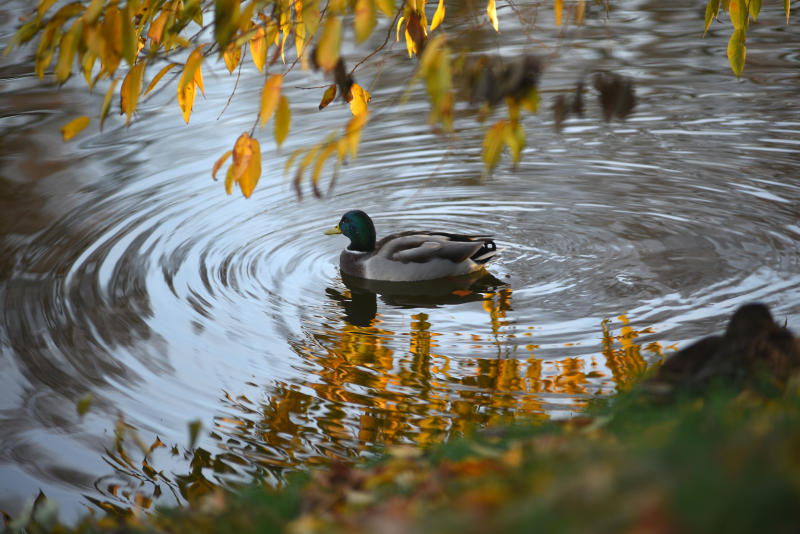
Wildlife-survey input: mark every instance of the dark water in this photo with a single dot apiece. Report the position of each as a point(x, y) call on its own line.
point(126, 272)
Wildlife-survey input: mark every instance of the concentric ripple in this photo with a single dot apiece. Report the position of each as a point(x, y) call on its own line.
point(127, 274)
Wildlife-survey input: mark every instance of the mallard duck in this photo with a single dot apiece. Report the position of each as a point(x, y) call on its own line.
point(408, 256)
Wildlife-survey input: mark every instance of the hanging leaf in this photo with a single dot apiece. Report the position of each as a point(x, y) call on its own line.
point(111, 49)
point(558, 9)
point(71, 129)
point(43, 6)
point(327, 98)
point(364, 19)
point(258, 49)
point(739, 14)
point(160, 75)
point(353, 133)
point(755, 8)
point(737, 52)
point(329, 43)
point(66, 54)
point(156, 31)
point(360, 98)
point(107, 102)
point(514, 138)
point(712, 8)
point(131, 89)
point(491, 10)
point(786, 9)
point(47, 47)
point(87, 65)
point(186, 100)
point(387, 7)
point(232, 57)
point(246, 163)
point(198, 79)
point(219, 163)
point(129, 37)
point(438, 17)
point(188, 82)
point(283, 116)
point(269, 97)
point(92, 12)
point(493, 144)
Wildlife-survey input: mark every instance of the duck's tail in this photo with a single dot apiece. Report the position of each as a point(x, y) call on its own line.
point(486, 252)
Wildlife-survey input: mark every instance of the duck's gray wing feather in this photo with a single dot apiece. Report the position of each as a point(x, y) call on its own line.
point(423, 247)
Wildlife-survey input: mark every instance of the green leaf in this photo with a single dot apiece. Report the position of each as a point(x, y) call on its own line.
point(387, 7)
point(712, 8)
point(736, 52)
point(26, 33)
point(128, 36)
point(84, 402)
point(194, 432)
point(737, 10)
point(755, 8)
point(493, 144)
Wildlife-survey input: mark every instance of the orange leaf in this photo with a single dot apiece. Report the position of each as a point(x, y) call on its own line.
point(258, 48)
point(71, 129)
point(327, 98)
point(558, 8)
point(283, 117)
point(157, 27)
point(269, 97)
point(358, 104)
point(246, 163)
point(219, 163)
point(232, 57)
point(131, 89)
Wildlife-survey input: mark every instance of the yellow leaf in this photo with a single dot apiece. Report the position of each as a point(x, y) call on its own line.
point(387, 7)
point(358, 104)
point(156, 31)
point(87, 65)
point(219, 163)
point(131, 89)
point(47, 47)
point(269, 97)
point(186, 100)
point(93, 11)
point(111, 53)
point(738, 12)
point(66, 54)
point(399, 23)
point(290, 160)
point(364, 19)
point(107, 102)
point(514, 138)
point(493, 144)
point(491, 10)
point(329, 43)
point(190, 68)
point(327, 98)
point(232, 57)
point(712, 8)
point(258, 48)
point(247, 163)
point(323, 155)
point(353, 133)
point(129, 38)
point(786, 9)
point(283, 117)
point(737, 52)
point(160, 75)
point(229, 180)
point(755, 8)
point(438, 17)
point(580, 12)
point(558, 8)
point(198, 79)
point(44, 5)
point(71, 129)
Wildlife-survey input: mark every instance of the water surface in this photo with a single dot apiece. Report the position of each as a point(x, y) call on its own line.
point(126, 272)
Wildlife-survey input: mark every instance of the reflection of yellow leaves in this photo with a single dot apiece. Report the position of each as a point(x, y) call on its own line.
point(71, 129)
point(558, 8)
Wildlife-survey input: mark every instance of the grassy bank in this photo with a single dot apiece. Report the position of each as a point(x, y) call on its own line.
point(728, 461)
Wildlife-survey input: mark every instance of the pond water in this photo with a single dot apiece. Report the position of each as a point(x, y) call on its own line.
point(126, 272)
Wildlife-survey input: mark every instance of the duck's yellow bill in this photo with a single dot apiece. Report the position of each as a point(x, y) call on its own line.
point(334, 230)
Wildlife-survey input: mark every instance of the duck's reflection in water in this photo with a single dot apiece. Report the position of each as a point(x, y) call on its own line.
point(361, 304)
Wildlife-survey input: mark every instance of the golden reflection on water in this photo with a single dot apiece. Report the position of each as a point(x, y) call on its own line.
point(363, 393)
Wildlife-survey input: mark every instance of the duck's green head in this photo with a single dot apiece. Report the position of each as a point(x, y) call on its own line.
point(358, 227)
